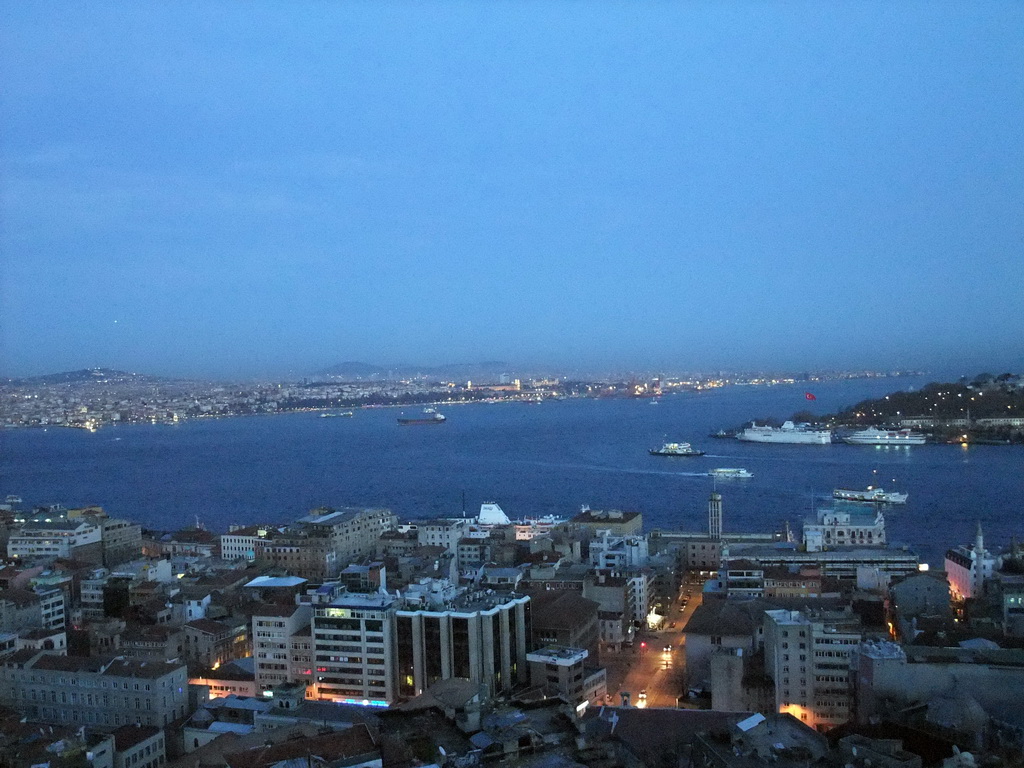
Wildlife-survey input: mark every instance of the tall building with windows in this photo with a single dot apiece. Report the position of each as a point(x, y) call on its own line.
point(46, 539)
point(354, 650)
point(274, 629)
point(807, 655)
point(481, 636)
point(351, 531)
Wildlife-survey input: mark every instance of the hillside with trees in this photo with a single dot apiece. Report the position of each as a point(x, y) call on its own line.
point(980, 399)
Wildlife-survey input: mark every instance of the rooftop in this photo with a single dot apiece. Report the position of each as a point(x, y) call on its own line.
point(127, 736)
point(609, 516)
point(275, 582)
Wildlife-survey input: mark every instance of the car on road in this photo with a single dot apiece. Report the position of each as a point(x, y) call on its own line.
point(672, 625)
point(642, 696)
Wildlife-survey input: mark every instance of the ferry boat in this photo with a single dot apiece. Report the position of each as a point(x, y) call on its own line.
point(875, 436)
point(787, 433)
point(343, 414)
point(430, 416)
point(676, 449)
point(729, 472)
point(872, 494)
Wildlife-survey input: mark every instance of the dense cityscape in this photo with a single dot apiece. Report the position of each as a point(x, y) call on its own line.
point(90, 399)
point(584, 640)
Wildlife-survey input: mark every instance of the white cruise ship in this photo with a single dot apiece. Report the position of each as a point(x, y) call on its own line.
point(787, 433)
point(875, 436)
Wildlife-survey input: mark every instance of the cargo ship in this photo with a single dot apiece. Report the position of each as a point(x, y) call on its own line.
point(872, 494)
point(430, 416)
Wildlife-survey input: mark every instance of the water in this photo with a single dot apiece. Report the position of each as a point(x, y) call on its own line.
point(531, 459)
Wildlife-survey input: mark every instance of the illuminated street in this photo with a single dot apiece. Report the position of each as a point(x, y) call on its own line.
point(647, 666)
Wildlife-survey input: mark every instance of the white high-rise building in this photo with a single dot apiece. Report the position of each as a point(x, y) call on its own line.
point(274, 628)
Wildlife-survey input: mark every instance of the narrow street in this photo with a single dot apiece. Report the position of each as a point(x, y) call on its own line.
point(655, 663)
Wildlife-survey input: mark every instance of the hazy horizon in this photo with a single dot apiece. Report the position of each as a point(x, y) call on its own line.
point(492, 373)
point(233, 190)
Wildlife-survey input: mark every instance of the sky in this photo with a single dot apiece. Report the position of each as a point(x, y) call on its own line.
point(271, 188)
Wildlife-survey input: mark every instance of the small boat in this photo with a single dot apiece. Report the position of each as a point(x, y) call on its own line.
point(730, 472)
point(676, 449)
point(430, 416)
point(722, 434)
point(872, 494)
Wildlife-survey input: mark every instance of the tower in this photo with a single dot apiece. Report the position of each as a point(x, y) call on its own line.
point(715, 516)
point(978, 570)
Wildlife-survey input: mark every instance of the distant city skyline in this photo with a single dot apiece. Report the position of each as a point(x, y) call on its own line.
point(228, 190)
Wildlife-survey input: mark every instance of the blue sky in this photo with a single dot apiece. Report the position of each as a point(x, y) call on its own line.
point(236, 188)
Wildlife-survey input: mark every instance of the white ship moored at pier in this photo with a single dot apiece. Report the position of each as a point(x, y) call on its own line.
point(787, 433)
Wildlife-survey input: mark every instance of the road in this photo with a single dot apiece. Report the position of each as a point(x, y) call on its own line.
point(648, 666)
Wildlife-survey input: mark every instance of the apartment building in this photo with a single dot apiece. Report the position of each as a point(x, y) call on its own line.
point(303, 553)
point(616, 553)
point(565, 619)
point(139, 746)
point(443, 532)
point(242, 543)
point(100, 691)
point(354, 641)
point(616, 596)
point(807, 655)
point(562, 669)
point(351, 531)
point(121, 540)
point(57, 537)
point(273, 627)
point(209, 643)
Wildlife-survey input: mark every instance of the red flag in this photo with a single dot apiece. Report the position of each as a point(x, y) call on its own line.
point(809, 396)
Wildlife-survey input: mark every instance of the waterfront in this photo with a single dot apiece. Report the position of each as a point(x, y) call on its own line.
point(531, 459)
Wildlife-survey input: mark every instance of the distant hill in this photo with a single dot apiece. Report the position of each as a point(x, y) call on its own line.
point(985, 396)
point(458, 371)
point(82, 376)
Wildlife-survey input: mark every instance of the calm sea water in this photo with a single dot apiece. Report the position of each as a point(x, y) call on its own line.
point(531, 459)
